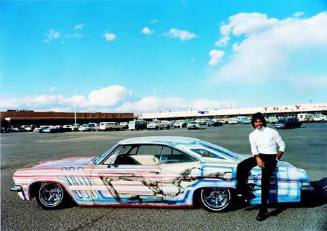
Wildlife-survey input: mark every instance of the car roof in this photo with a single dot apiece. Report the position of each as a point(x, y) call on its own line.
point(169, 140)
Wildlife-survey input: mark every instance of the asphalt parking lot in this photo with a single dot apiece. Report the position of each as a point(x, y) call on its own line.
point(306, 148)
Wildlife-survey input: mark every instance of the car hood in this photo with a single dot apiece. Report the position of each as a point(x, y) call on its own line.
point(71, 161)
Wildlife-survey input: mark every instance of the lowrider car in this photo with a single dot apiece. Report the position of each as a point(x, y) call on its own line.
point(153, 171)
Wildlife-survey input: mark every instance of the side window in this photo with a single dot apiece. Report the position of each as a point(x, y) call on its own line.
point(166, 154)
point(139, 155)
point(171, 155)
point(125, 149)
point(153, 150)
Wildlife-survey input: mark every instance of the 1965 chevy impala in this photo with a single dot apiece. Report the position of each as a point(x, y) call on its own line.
point(153, 171)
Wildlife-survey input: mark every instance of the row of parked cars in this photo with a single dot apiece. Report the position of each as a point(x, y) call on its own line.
point(115, 126)
point(189, 124)
point(103, 126)
point(285, 122)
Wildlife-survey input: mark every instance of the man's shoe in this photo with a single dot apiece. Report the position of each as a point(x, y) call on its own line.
point(248, 196)
point(262, 215)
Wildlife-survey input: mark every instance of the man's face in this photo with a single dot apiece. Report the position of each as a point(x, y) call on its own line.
point(258, 124)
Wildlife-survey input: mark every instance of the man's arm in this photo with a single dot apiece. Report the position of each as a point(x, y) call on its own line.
point(281, 145)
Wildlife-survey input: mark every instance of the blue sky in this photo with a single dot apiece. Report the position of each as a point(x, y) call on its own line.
point(142, 56)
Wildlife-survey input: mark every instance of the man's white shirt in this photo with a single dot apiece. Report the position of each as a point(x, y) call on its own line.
point(265, 141)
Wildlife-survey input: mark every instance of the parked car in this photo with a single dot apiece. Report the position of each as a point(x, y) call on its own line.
point(166, 124)
point(27, 128)
point(153, 171)
point(15, 129)
point(155, 125)
point(124, 125)
point(179, 124)
point(202, 122)
point(214, 123)
point(75, 127)
point(110, 126)
point(223, 120)
point(232, 120)
point(194, 125)
point(87, 127)
point(39, 129)
point(304, 117)
point(243, 120)
point(49, 129)
point(288, 122)
point(137, 125)
point(272, 119)
point(67, 128)
point(319, 118)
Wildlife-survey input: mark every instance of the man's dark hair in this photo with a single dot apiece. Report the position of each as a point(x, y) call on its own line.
point(259, 116)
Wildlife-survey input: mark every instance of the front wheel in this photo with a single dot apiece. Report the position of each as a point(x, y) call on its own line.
point(215, 199)
point(50, 196)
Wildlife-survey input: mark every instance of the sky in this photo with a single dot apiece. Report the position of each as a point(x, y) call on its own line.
point(147, 56)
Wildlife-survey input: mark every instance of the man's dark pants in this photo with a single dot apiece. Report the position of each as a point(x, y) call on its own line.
point(245, 167)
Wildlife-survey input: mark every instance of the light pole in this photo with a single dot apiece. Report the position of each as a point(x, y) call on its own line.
point(155, 88)
point(75, 113)
point(75, 107)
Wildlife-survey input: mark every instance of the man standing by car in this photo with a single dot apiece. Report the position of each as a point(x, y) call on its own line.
point(264, 142)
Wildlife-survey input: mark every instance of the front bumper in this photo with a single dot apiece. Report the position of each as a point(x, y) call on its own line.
point(19, 190)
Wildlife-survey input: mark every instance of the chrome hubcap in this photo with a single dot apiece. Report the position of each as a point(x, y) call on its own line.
point(215, 198)
point(51, 195)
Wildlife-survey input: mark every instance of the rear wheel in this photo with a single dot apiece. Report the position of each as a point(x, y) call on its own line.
point(50, 196)
point(215, 199)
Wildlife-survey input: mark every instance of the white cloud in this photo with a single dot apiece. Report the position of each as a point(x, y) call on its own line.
point(216, 56)
point(222, 42)
point(79, 27)
point(52, 35)
point(147, 31)
point(111, 98)
point(181, 34)
point(244, 24)
point(152, 104)
point(107, 97)
point(110, 36)
point(268, 48)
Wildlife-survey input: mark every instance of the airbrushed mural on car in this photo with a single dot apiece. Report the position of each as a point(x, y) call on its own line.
point(155, 171)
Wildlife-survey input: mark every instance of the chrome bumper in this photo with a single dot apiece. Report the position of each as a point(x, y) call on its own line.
point(16, 188)
point(307, 186)
point(19, 190)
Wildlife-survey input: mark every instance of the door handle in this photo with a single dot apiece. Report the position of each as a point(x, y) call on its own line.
point(155, 172)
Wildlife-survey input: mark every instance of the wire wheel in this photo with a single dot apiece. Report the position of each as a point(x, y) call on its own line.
point(215, 199)
point(50, 196)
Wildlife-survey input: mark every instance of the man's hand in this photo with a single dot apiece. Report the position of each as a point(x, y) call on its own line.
point(279, 155)
point(260, 162)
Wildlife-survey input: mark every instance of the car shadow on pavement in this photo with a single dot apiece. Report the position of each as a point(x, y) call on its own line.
point(316, 197)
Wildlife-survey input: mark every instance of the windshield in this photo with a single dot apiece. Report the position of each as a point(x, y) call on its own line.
point(221, 150)
point(101, 156)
